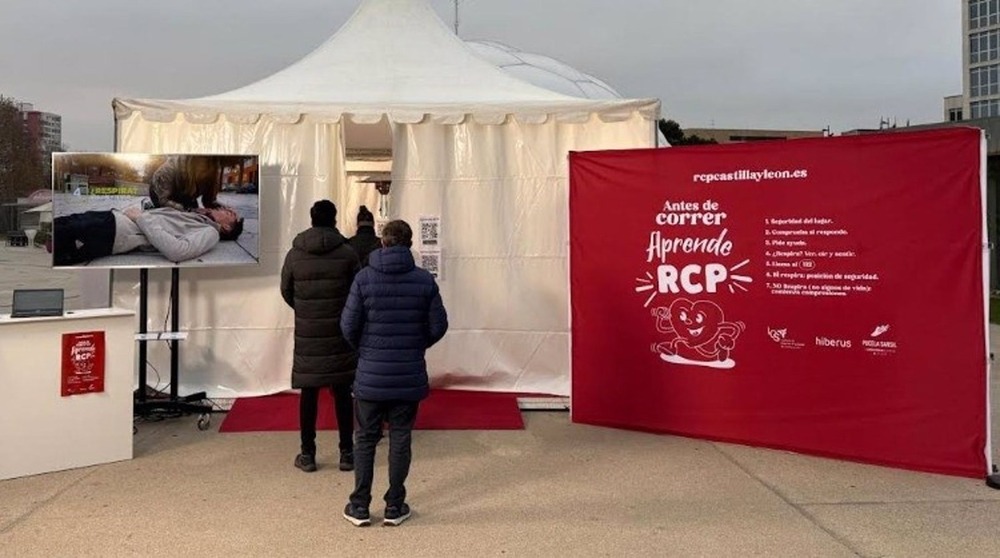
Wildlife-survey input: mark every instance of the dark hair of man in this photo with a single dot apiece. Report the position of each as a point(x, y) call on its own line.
point(323, 214)
point(397, 233)
point(233, 233)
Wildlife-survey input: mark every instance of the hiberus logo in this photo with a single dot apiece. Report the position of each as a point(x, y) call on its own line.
point(833, 343)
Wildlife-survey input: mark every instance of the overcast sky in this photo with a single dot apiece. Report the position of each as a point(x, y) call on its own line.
point(801, 64)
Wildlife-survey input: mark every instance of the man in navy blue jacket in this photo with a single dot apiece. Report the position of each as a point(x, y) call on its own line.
point(394, 313)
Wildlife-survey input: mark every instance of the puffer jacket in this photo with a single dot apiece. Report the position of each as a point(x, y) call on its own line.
point(364, 243)
point(315, 281)
point(393, 315)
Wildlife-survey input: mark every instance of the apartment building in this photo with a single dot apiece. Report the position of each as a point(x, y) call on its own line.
point(45, 130)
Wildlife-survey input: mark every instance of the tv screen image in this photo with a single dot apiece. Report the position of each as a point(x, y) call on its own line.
point(129, 210)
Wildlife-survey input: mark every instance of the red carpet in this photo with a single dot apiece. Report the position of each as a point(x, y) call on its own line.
point(443, 410)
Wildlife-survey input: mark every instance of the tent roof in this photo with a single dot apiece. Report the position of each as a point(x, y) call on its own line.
point(542, 71)
point(395, 58)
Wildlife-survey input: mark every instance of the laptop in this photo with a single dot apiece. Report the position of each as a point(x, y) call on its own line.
point(36, 303)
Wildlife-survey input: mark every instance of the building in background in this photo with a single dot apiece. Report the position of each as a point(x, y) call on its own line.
point(45, 130)
point(731, 135)
point(980, 96)
point(954, 109)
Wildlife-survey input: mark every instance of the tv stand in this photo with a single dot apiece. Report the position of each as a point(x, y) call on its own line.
point(157, 404)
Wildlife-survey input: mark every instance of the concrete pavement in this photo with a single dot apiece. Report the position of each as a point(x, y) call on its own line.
point(553, 489)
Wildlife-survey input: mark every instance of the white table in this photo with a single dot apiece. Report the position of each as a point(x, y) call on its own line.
point(42, 431)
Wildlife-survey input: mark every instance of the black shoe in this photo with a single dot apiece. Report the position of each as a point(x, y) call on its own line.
point(306, 462)
point(357, 515)
point(394, 515)
point(346, 461)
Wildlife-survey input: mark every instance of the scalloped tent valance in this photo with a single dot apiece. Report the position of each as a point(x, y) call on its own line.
point(394, 59)
point(160, 111)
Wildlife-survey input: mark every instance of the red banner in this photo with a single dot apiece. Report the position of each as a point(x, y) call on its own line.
point(82, 363)
point(818, 295)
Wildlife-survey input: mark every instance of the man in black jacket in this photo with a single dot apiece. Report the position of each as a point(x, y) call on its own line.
point(365, 241)
point(394, 314)
point(315, 281)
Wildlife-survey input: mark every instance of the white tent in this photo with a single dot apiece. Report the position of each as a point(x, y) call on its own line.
point(484, 151)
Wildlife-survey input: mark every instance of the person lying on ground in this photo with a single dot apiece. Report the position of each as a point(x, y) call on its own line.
point(177, 235)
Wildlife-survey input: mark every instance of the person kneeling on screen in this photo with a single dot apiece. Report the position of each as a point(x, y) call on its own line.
point(394, 313)
point(177, 235)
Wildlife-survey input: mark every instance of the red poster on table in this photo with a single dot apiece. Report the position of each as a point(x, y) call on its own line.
point(819, 295)
point(82, 363)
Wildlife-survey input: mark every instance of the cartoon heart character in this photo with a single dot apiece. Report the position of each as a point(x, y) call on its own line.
point(698, 331)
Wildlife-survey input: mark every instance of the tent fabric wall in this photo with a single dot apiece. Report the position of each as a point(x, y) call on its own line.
point(239, 329)
point(501, 193)
point(500, 190)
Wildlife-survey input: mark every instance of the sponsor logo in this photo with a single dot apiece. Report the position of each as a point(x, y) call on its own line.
point(879, 330)
point(777, 335)
point(879, 343)
point(833, 343)
point(780, 336)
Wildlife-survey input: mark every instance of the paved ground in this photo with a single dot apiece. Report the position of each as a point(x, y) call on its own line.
point(553, 489)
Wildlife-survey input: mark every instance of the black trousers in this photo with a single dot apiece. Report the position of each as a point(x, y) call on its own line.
point(371, 414)
point(81, 237)
point(309, 407)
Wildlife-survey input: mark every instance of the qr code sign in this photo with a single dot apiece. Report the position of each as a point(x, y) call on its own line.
point(430, 230)
point(431, 261)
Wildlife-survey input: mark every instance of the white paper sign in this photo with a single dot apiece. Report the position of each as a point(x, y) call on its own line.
point(430, 231)
point(430, 259)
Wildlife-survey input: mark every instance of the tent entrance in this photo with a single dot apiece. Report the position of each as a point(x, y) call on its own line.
point(368, 154)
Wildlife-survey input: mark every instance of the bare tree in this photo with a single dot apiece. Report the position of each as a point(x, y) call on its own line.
point(20, 166)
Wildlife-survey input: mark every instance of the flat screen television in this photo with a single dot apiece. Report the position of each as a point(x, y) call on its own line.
point(133, 210)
